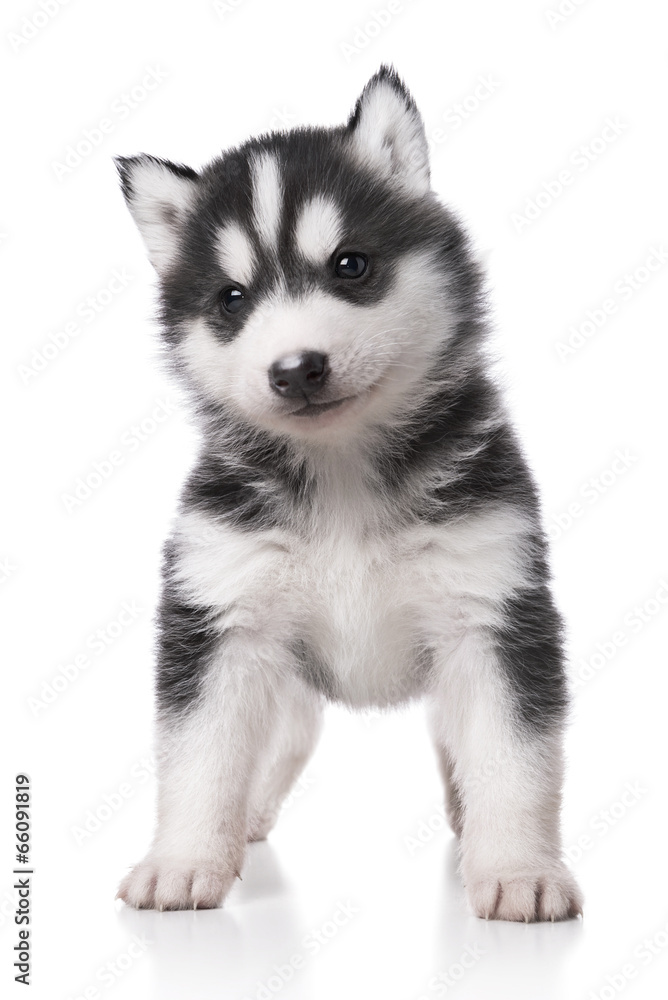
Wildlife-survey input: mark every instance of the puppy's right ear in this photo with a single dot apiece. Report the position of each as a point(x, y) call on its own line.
point(159, 195)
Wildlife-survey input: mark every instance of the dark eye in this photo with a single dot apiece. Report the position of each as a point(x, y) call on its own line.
point(351, 265)
point(232, 300)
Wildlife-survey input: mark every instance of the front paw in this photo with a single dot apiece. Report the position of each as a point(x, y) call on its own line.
point(168, 884)
point(549, 893)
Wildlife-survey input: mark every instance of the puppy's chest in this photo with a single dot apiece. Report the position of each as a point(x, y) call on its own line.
point(359, 591)
point(329, 582)
point(365, 608)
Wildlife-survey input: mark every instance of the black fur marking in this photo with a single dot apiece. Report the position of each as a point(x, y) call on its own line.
point(497, 473)
point(468, 464)
point(188, 636)
point(378, 220)
point(314, 670)
point(530, 648)
point(223, 492)
point(259, 494)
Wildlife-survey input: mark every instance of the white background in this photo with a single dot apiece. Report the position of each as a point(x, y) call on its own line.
point(372, 792)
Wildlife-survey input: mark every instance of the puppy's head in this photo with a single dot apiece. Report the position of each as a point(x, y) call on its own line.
point(306, 277)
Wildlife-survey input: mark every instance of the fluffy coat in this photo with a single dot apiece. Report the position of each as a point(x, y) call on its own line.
point(360, 525)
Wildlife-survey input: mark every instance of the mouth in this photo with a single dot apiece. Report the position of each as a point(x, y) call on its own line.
point(313, 409)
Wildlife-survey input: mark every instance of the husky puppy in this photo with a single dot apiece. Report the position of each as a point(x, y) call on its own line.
point(360, 525)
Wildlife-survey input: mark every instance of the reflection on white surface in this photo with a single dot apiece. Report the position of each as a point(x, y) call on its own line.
point(530, 957)
point(247, 950)
point(339, 902)
point(219, 952)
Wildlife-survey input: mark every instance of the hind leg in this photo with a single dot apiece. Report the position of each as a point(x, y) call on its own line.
point(454, 806)
point(294, 740)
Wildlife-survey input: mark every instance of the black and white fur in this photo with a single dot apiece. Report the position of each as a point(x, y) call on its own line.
point(380, 549)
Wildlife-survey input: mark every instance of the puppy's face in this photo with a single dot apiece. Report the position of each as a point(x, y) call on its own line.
point(302, 276)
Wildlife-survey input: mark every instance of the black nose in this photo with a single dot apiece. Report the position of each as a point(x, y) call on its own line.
point(298, 374)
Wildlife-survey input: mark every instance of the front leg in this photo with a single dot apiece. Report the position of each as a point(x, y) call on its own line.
point(217, 697)
point(497, 711)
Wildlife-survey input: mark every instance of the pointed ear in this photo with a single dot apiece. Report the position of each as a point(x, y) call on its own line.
point(159, 195)
point(387, 132)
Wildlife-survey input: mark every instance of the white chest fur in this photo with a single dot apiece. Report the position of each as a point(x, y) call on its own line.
point(370, 607)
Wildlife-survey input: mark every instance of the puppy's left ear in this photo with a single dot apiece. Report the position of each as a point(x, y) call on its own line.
point(387, 132)
point(160, 195)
